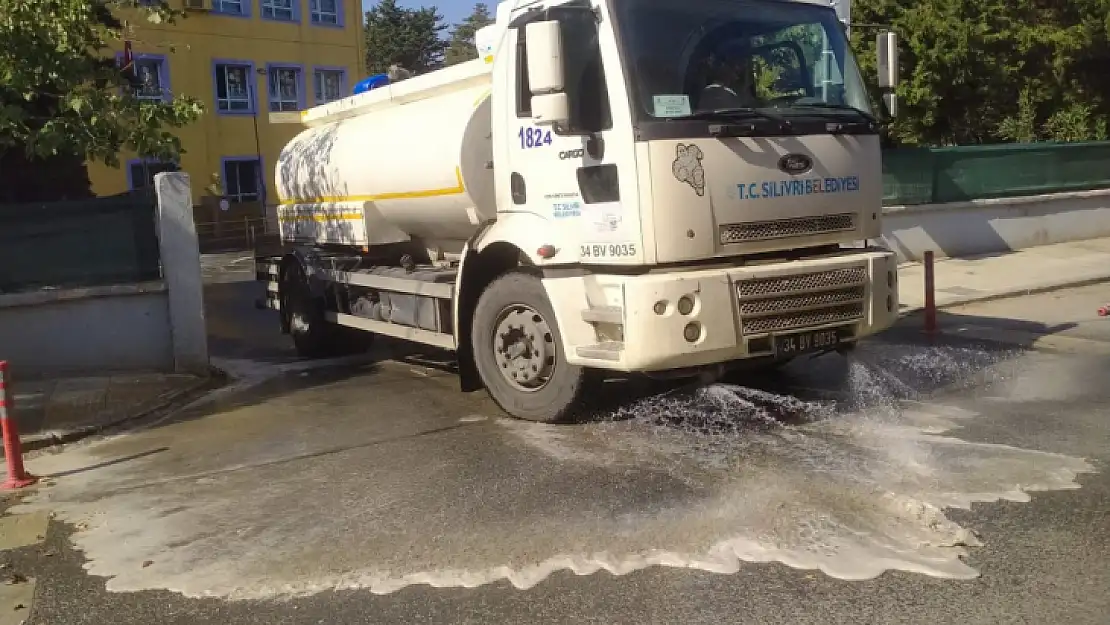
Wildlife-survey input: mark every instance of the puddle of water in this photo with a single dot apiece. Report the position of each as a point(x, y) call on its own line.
point(852, 495)
point(709, 478)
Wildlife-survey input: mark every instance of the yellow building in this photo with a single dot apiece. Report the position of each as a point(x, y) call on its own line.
point(242, 59)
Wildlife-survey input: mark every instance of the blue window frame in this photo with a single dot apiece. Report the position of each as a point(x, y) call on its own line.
point(329, 83)
point(285, 86)
point(242, 178)
point(152, 72)
point(326, 12)
point(280, 10)
point(141, 171)
point(237, 8)
point(234, 87)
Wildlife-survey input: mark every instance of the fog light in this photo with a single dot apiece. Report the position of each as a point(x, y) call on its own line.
point(685, 305)
point(692, 331)
point(660, 307)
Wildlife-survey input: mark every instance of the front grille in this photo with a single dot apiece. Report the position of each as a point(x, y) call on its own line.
point(801, 301)
point(786, 228)
point(806, 319)
point(781, 285)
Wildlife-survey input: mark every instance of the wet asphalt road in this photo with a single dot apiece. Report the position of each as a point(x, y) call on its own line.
point(355, 477)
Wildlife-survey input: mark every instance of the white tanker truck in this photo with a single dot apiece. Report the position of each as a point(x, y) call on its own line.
point(654, 186)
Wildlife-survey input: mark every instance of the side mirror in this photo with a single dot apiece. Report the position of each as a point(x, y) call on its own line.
point(547, 73)
point(886, 47)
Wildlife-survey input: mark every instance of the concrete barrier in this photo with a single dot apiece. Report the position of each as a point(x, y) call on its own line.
point(149, 326)
point(993, 226)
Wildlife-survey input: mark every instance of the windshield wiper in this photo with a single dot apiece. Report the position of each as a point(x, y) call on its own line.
point(843, 107)
point(738, 112)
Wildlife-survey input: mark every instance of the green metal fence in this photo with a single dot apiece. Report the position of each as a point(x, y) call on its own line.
point(94, 242)
point(956, 174)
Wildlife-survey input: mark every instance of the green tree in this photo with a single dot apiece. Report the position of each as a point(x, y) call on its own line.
point(461, 48)
point(983, 71)
point(406, 37)
point(62, 94)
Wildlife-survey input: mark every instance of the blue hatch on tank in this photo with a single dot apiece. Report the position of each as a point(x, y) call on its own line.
point(373, 82)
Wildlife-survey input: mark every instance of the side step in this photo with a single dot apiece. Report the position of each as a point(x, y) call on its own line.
point(605, 350)
point(609, 350)
point(604, 314)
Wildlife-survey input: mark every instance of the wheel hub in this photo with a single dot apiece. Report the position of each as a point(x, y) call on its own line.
point(524, 348)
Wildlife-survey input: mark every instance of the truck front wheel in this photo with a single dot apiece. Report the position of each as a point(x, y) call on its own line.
point(519, 352)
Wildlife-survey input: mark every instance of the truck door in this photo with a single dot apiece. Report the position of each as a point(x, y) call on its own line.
point(569, 175)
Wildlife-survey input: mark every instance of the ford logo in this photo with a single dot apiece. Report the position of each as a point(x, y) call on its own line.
point(795, 164)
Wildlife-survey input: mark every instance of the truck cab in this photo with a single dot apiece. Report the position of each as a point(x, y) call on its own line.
point(688, 154)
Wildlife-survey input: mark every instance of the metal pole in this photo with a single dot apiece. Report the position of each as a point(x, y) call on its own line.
point(261, 180)
point(18, 477)
point(930, 294)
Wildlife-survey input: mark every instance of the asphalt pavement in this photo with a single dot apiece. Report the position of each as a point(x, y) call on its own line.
point(917, 481)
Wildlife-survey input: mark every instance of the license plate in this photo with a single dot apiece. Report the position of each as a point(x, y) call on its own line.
point(802, 342)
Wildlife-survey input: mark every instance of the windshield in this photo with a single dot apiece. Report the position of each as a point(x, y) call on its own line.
point(690, 56)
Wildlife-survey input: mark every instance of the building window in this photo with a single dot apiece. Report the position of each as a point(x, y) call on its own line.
point(330, 84)
point(152, 78)
point(233, 92)
point(325, 12)
point(242, 179)
point(231, 7)
point(140, 174)
point(285, 89)
point(280, 10)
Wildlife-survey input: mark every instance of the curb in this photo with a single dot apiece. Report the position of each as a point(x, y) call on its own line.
point(215, 379)
point(1015, 338)
point(1016, 292)
point(1053, 343)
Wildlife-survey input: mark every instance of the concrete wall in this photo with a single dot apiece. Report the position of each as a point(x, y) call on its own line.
point(152, 326)
point(122, 328)
point(997, 225)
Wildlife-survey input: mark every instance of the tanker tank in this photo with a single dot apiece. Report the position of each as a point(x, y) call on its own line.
point(407, 160)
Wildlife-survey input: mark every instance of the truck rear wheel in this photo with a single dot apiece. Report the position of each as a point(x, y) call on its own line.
point(313, 336)
point(519, 352)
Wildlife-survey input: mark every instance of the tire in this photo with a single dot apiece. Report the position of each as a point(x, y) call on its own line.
point(514, 313)
point(313, 336)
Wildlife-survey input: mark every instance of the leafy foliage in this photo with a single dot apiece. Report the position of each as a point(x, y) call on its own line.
point(986, 71)
point(406, 37)
point(61, 92)
point(460, 47)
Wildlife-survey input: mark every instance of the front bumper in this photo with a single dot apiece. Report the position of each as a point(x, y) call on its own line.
point(636, 323)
